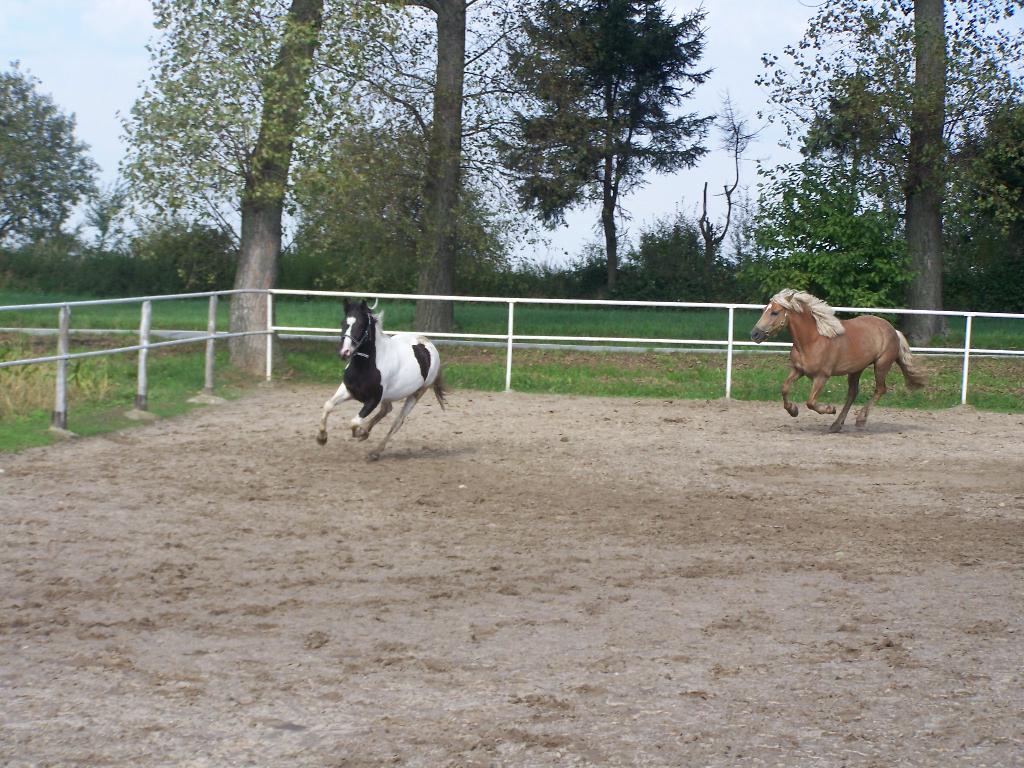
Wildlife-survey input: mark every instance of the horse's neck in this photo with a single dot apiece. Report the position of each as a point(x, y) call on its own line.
point(368, 350)
point(376, 342)
point(803, 329)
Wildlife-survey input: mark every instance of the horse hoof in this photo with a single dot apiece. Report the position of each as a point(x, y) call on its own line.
point(830, 409)
point(793, 411)
point(835, 428)
point(322, 438)
point(373, 456)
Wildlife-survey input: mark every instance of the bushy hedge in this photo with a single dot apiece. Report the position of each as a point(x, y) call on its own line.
point(173, 258)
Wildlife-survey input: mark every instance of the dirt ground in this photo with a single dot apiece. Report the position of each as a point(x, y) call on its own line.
point(521, 581)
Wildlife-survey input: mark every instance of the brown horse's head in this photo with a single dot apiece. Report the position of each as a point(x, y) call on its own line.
point(772, 320)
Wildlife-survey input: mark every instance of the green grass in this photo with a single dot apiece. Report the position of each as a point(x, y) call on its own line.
point(994, 385)
point(103, 388)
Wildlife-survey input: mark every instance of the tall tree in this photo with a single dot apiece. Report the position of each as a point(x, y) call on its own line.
point(44, 169)
point(441, 78)
point(883, 91)
point(285, 88)
point(926, 169)
point(605, 75)
point(444, 166)
point(238, 88)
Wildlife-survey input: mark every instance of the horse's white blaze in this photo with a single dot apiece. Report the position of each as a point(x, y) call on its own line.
point(346, 340)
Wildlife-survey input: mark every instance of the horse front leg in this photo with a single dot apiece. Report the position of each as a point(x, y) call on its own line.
point(339, 397)
point(853, 387)
point(812, 401)
point(363, 432)
point(358, 430)
point(790, 407)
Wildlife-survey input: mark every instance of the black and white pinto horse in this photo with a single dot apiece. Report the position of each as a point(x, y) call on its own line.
point(381, 369)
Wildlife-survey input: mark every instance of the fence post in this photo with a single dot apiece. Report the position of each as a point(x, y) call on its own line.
point(508, 350)
point(270, 335)
point(211, 329)
point(59, 417)
point(728, 356)
point(142, 390)
point(967, 360)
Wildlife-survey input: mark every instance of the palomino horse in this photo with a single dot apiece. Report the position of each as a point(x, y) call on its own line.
point(824, 346)
point(380, 370)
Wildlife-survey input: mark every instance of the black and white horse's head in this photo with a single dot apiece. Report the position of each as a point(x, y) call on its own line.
point(357, 330)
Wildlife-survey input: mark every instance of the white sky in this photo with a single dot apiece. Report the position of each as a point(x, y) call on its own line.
point(90, 56)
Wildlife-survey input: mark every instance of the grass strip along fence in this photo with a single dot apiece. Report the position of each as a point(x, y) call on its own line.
point(100, 388)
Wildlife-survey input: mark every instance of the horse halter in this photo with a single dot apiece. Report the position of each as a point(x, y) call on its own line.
point(363, 338)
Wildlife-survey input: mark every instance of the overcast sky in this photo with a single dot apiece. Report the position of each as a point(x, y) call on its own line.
point(90, 56)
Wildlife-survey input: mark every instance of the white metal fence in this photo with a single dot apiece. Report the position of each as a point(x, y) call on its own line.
point(59, 416)
point(510, 339)
point(728, 345)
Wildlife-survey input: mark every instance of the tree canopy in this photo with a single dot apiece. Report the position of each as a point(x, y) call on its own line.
point(851, 97)
point(44, 169)
point(603, 78)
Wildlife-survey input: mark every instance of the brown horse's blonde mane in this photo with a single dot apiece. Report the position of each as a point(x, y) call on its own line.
point(824, 316)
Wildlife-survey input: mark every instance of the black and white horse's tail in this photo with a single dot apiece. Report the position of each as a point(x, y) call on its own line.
point(440, 392)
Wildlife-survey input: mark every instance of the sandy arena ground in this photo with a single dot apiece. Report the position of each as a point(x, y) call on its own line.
point(520, 581)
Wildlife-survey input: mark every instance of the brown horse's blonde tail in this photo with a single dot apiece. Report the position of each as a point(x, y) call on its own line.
point(913, 373)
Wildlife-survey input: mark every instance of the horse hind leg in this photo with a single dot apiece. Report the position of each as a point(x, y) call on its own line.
point(338, 397)
point(407, 406)
point(881, 371)
point(853, 387)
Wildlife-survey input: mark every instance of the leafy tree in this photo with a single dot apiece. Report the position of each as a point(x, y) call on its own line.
point(813, 231)
point(238, 88)
point(604, 75)
point(44, 169)
point(852, 94)
point(985, 226)
point(105, 215)
point(360, 213)
point(445, 85)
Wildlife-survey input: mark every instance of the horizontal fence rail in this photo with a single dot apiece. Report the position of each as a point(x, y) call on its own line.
point(727, 345)
point(509, 340)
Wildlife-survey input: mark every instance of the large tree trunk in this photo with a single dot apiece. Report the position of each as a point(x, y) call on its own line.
point(926, 172)
point(443, 182)
point(257, 268)
point(284, 94)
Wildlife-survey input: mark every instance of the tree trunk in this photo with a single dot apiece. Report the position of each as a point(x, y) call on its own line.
point(925, 172)
point(611, 239)
point(443, 182)
point(284, 95)
point(257, 268)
